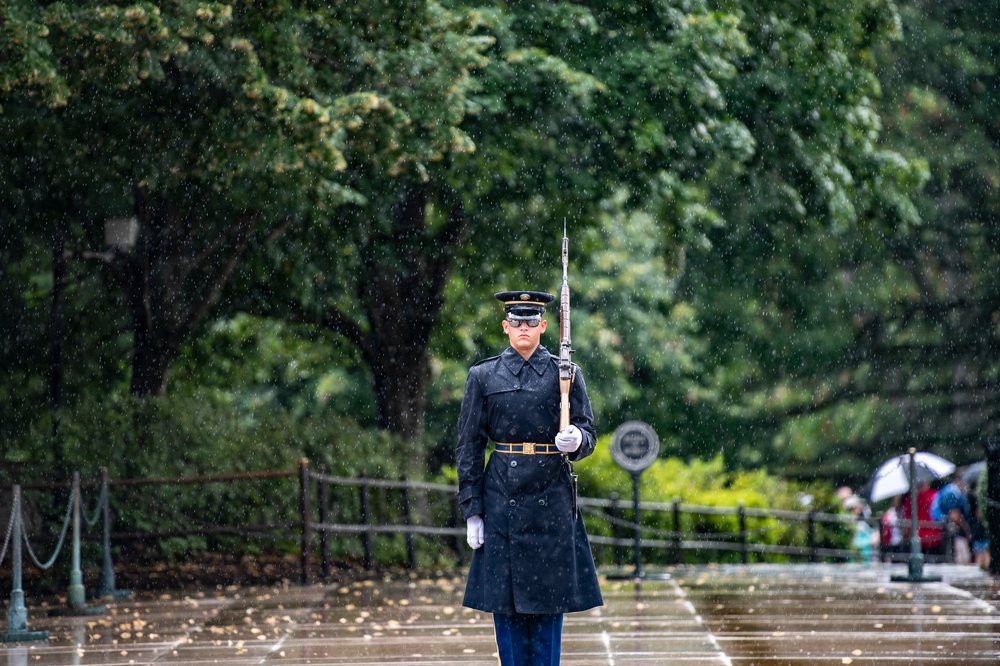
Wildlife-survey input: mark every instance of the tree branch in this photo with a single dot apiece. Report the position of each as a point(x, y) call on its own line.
point(210, 296)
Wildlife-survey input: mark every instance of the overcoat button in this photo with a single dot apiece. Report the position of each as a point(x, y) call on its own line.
point(513, 463)
point(512, 502)
point(541, 502)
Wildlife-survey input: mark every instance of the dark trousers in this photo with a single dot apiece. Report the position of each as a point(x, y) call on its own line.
point(528, 640)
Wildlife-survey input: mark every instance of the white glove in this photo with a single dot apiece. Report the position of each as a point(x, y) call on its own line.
point(474, 532)
point(569, 440)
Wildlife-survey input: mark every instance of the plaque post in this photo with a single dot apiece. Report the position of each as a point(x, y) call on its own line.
point(634, 448)
point(636, 534)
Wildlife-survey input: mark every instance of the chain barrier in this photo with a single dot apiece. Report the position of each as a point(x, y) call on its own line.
point(59, 545)
point(97, 509)
point(14, 510)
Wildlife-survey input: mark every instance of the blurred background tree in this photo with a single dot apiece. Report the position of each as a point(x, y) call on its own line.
point(852, 331)
point(328, 196)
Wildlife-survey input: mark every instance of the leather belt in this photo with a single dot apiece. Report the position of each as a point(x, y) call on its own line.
point(527, 448)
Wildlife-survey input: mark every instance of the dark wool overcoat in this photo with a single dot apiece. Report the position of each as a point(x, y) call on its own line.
point(536, 557)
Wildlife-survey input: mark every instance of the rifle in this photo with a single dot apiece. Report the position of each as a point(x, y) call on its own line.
point(565, 364)
point(565, 346)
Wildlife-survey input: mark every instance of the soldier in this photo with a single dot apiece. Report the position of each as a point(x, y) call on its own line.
point(531, 560)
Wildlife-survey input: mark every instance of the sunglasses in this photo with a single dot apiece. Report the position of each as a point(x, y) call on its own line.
point(532, 321)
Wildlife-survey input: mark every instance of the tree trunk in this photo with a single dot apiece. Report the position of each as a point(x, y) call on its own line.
point(400, 385)
point(151, 359)
point(403, 298)
point(172, 278)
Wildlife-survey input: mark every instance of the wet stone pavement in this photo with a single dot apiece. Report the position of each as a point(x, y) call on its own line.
point(773, 615)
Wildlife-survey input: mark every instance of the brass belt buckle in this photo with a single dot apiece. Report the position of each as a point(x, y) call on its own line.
point(528, 448)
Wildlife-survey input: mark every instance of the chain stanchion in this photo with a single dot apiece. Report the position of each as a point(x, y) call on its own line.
point(17, 614)
point(107, 586)
point(76, 595)
point(915, 565)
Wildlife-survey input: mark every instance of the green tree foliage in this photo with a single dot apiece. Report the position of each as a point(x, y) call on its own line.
point(785, 290)
point(372, 271)
point(933, 343)
point(907, 335)
point(530, 116)
point(757, 210)
point(165, 114)
point(366, 176)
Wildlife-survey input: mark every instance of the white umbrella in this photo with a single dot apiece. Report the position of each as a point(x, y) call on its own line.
point(893, 476)
point(973, 472)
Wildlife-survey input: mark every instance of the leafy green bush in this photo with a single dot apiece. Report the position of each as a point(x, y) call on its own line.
point(706, 483)
point(185, 436)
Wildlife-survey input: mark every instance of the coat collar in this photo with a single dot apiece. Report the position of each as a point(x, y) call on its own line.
point(514, 361)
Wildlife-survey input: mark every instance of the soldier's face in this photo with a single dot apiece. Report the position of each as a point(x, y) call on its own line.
point(524, 338)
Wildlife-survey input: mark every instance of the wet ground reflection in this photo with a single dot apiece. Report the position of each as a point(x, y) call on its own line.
point(760, 614)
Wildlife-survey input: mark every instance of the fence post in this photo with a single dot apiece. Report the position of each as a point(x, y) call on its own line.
point(323, 492)
point(741, 512)
point(366, 536)
point(76, 597)
point(306, 510)
point(883, 547)
point(17, 614)
point(616, 532)
point(811, 534)
point(677, 530)
point(636, 525)
point(411, 553)
point(107, 586)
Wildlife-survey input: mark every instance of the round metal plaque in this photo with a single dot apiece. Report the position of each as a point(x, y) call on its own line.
point(634, 446)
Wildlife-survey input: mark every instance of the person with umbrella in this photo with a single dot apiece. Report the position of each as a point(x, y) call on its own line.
point(931, 536)
point(980, 535)
point(892, 530)
point(866, 539)
point(892, 478)
point(953, 504)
